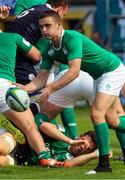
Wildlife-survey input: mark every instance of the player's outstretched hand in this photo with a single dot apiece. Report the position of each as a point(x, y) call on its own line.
point(4, 12)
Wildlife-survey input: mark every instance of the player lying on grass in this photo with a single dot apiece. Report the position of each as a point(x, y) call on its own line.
point(72, 156)
point(13, 149)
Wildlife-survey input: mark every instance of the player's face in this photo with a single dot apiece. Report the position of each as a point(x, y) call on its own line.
point(86, 148)
point(49, 28)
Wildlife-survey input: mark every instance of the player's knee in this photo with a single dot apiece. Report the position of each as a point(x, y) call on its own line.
point(4, 150)
point(94, 116)
point(97, 116)
point(112, 125)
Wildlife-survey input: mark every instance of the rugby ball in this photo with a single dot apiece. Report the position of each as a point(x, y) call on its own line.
point(17, 99)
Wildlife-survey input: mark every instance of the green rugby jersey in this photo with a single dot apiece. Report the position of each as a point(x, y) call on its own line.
point(9, 43)
point(95, 59)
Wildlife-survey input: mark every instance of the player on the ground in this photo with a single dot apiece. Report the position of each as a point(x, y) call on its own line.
point(72, 156)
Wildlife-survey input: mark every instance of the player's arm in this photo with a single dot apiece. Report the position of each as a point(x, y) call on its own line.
point(52, 131)
point(28, 49)
point(69, 76)
point(38, 82)
point(34, 54)
point(83, 159)
point(80, 160)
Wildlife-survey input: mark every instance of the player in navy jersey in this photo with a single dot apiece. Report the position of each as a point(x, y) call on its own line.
point(26, 24)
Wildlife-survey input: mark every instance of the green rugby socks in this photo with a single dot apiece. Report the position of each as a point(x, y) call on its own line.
point(102, 136)
point(40, 118)
point(120, 133)
point(69, 121)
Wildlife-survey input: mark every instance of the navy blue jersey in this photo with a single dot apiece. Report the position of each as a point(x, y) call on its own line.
point(27, 25)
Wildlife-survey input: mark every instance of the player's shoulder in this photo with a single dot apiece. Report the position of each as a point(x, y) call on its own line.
point(9, 35)
point(40, 8)
point(72, 34)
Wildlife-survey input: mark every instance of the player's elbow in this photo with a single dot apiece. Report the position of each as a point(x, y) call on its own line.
point(35, 55)
point(37, 58)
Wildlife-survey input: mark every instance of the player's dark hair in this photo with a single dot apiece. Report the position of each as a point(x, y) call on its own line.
point(52, 14)
point(57, 3)
point(92, 135)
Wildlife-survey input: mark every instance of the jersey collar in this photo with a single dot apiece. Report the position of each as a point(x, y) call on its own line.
point(49, 6)
point(62, 34)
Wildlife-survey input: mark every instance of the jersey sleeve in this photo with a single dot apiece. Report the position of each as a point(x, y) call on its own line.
point(23, 44)
point(19, 7)
point(75, 49)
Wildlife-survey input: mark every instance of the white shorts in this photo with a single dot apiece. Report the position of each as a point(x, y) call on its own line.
point(4, 86)
point(80, 87)
point(111, 83)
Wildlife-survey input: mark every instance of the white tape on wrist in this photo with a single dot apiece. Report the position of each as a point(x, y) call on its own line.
point(71, 141)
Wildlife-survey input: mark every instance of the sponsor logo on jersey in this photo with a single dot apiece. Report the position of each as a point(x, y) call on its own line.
point(31, 76)
point(51, 52)
point(65, 51)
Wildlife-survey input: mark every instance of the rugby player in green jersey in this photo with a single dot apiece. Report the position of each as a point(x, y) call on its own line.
point(79, 52)
point(72, 156)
